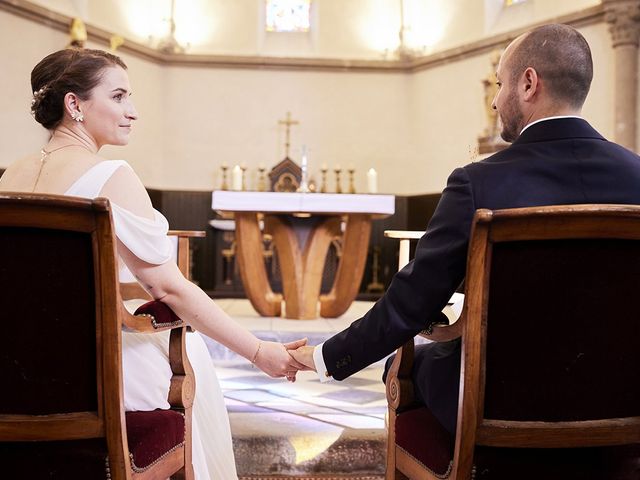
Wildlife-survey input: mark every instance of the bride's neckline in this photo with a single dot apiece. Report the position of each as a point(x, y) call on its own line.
point(44, 156)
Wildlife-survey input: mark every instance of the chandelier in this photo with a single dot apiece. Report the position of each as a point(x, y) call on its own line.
point(404, 52)
point(169, 44)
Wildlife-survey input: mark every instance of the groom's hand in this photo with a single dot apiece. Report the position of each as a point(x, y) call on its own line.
point(304, 355)
point(291, 374)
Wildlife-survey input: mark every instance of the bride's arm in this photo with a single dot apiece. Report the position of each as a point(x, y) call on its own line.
point(165, 282)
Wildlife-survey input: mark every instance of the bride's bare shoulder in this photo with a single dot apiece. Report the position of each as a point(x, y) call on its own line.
point(17, 174)
point(125, 188)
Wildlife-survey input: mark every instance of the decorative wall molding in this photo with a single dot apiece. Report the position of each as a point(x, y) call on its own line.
point(60, 22)
point(623, 18)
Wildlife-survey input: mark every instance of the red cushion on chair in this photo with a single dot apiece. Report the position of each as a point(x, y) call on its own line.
point(153, 434)
point(420, 435)
point(160, 311)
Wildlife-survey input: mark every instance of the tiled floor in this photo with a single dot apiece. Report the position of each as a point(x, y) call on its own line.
point(301, 428)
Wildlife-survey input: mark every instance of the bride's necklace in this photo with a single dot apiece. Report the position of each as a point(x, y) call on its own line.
point(44, 156)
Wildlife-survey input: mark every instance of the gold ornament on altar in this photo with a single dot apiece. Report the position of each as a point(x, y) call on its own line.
point(337, 171)
point(352, 185)
point(224, 186)
point(262, 182)
point(243, 168)
point(323, 183)
point(77, 33)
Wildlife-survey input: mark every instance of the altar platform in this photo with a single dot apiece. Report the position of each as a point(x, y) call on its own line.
point(304, 429)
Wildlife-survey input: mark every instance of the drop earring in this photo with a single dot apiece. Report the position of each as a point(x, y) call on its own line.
point(77, 116)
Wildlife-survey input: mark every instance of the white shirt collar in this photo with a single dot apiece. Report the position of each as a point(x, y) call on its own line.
point(548, 118)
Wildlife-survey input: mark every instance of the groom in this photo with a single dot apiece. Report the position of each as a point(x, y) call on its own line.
point(556, 158)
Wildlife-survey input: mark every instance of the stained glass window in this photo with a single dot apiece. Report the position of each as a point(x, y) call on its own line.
point(287, 15)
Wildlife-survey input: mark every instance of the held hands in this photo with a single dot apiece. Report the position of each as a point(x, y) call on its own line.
point(274, 359)
point(303, 354)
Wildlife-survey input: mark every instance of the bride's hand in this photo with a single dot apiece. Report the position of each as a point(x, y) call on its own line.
point(274, 359)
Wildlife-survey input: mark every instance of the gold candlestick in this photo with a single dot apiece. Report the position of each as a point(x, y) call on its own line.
point(337, 170)
point(352, 187)
point(262, 184)
point(375, 285)
point(243, 167)
point(224, 185)
point(323, 184)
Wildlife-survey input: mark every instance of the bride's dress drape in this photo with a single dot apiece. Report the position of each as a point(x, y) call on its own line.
point(145, 358)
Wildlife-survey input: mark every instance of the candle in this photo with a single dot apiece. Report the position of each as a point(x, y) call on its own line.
point(303, 165)
point(304, 186)
point(372, 180)
point(236, 178)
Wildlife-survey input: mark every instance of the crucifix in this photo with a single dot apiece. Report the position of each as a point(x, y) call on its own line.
point(288, 122)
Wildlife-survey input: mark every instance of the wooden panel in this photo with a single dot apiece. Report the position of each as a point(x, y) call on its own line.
point(191, 210)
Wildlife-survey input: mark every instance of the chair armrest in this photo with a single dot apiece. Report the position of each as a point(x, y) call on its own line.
point(151, 317)
point(399, 386)
point(156, 316)
point(187, 233)
point(443, 333)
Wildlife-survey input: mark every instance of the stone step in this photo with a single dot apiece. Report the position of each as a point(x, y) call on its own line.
point(301, 430)
point(305, 429)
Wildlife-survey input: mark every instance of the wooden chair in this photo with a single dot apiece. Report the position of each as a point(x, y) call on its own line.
point(61, 407)
point(550, 382)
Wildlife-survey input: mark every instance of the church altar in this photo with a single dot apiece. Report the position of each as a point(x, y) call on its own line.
point(302, 226)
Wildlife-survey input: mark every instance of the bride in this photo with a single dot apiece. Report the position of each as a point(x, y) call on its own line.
point(83, 98)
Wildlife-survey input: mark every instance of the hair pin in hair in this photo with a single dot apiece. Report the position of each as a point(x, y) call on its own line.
point(38, 95)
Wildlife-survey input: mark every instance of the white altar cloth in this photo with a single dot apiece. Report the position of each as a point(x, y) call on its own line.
point(275, 202)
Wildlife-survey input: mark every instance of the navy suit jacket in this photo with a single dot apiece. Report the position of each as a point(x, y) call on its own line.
point(553, 162)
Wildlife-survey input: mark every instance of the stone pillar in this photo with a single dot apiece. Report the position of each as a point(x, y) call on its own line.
point(623, 17)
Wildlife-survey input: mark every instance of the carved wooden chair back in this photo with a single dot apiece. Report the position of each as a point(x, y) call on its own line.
point(550, 383)
point(61, 410)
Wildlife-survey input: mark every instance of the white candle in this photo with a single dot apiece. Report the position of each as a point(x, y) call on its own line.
point(304, 187)
point(236, 178)
point(372, 180)
point(303, 165)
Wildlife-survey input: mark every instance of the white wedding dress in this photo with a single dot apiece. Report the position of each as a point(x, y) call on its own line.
point(145, 359)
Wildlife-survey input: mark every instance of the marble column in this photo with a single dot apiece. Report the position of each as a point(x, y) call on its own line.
point(623, 17)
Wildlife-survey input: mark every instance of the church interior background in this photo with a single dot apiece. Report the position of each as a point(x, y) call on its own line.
point(398, 86)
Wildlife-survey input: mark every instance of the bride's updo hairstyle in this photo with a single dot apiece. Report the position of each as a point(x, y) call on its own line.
point(64, 71)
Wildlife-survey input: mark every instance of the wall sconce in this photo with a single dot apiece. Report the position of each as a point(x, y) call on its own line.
point(77, 33)
point(115, 42)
